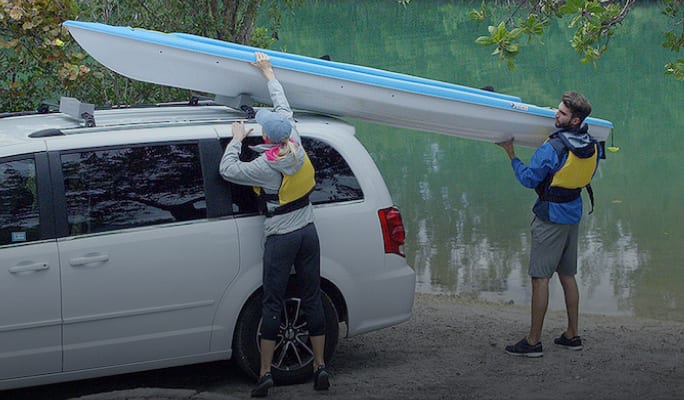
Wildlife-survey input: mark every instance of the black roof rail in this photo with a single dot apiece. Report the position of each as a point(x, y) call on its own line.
point(44, 108)
point(46, 133)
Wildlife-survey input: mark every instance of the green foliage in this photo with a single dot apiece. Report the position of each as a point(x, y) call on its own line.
point(481, 14)
point(676, 69)
point(35, 53)
point(41, 62)
point(674, 38)
point(506, 48)
point(593, 23)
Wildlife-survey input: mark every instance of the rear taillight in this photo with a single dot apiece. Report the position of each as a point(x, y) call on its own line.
point(393, 232)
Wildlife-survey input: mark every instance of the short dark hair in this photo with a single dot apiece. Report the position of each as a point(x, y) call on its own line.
point(578, 104)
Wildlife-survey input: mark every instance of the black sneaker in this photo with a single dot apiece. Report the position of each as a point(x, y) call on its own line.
point(571, 344)
point(321, 378)
point(264, 383)
point(524, 349)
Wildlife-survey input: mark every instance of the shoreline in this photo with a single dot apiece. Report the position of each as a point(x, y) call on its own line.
point(458, 299)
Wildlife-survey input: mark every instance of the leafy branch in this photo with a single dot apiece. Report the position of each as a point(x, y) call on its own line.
point(674, 37)
point(34, 49)
point(593, 23)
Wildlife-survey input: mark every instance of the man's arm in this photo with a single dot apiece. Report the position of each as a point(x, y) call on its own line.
point(508, 146)
point(543, 161)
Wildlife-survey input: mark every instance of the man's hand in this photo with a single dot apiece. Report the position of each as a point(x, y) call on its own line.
point(508, 146)
point(239, 132)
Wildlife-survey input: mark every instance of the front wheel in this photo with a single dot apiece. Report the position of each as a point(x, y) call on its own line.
point(293, 356)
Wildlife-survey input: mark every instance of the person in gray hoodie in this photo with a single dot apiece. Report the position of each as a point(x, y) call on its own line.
point(285, 177)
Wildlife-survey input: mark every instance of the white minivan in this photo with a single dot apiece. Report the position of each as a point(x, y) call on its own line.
point(122, 249)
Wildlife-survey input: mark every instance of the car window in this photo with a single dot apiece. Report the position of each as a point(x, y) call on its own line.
point(117, 188)
point(335, 181)
point(19, 216)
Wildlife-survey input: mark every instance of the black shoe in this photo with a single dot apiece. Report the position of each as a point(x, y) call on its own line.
point(264, 383)
point(321, 378)
point(571, 344)
point(524, 349)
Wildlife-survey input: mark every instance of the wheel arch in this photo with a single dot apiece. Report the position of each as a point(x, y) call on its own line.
point(338, 300)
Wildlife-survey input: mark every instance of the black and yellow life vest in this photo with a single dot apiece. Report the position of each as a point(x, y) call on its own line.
point(293, 193)
point(576, 172)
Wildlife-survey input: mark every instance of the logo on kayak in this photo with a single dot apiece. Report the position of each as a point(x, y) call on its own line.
point(519, 106)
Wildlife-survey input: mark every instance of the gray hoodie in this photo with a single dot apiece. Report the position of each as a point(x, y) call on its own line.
point(267, 172)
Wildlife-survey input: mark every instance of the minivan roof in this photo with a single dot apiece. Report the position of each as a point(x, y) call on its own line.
point(27, 128)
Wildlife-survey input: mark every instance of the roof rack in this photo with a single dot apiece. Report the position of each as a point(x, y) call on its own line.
point(44, 108)
point(242, 102)
point(84, 113)
point(75, 109)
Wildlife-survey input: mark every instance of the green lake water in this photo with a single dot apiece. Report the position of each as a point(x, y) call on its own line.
point(466, 215)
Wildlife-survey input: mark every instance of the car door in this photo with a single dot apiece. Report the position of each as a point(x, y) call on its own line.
point(30, 311)
point(144, 267)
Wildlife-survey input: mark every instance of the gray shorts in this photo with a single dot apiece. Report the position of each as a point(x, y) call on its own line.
point(553, 249)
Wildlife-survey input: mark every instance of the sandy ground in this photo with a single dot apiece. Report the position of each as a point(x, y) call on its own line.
point(454, 349)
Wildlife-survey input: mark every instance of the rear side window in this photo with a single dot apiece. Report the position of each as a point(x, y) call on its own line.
point(335, 181)
point(19, 216)
point(118, 188)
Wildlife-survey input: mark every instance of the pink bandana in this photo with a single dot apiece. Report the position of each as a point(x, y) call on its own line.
point(272, 154)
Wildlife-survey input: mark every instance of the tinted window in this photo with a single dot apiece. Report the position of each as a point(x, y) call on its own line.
point(18, 202)
point(335, 181)
point(120, 188)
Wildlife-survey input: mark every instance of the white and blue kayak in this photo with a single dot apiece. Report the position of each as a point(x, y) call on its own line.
point(211, 66)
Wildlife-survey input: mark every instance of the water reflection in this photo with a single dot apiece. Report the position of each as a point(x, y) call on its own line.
point(467, 217)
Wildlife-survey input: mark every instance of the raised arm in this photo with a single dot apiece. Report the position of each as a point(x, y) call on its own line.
point(276, 91)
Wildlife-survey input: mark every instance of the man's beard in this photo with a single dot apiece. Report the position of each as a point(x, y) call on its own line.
point(561, 125)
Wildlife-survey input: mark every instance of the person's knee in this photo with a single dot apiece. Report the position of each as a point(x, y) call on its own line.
point(317, 328)
point(566, 279)
point(315, 317)
point(540, 282)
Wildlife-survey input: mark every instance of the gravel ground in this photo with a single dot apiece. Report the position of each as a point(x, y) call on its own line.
point(450, 349)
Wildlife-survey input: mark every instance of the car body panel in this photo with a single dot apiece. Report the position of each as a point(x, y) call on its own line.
point(128, 298)
point(31, 323)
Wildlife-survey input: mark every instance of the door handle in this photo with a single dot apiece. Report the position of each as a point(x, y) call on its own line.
point(29, 267)
point(96, 258)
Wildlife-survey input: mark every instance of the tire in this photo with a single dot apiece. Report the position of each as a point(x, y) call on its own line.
point(293, 357)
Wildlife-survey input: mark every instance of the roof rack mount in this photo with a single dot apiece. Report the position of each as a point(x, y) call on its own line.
point(75, 109)
point(243, 102)
point(235, 102)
